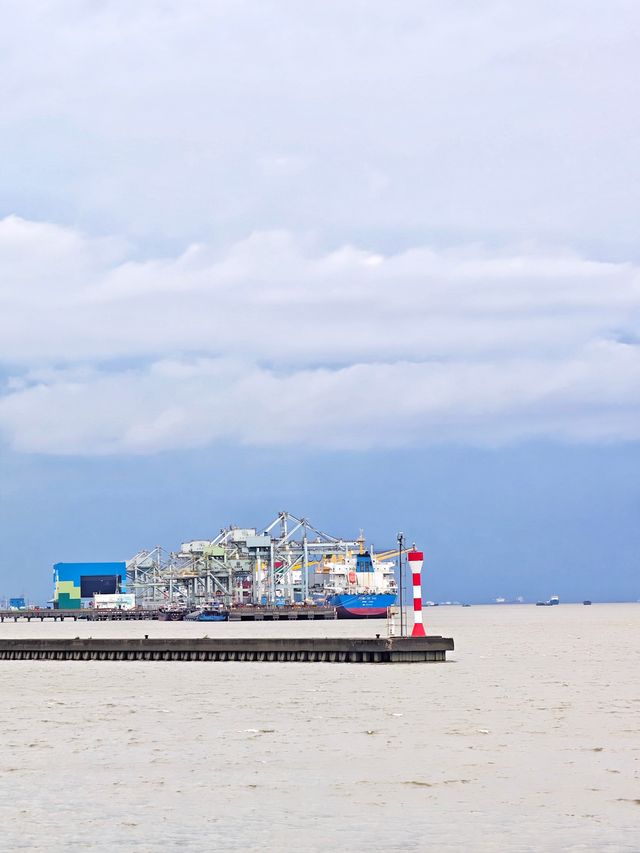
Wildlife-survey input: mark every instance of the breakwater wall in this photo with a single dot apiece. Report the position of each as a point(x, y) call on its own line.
point(317, 650)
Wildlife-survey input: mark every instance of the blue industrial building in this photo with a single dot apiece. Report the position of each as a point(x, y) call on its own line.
point(74, 583)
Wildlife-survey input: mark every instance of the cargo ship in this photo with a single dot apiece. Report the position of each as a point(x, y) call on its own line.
point(360, 586)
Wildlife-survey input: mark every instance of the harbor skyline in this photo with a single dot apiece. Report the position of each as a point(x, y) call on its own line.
point(376, 267)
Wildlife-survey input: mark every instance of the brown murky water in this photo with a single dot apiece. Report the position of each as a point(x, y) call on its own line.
point(528, 739)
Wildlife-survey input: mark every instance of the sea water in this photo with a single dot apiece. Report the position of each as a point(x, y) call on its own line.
point(526, 739)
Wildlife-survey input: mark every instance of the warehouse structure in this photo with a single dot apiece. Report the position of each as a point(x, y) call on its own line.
point(75, 584)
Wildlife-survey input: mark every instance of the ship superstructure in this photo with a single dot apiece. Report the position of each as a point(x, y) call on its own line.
point(359, 573)
point(360, 586)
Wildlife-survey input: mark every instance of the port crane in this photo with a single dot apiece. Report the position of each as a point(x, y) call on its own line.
point(238, 565)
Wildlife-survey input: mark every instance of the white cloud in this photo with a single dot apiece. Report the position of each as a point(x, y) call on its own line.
point(272, 341)
point(337, 224)
point(202, 120)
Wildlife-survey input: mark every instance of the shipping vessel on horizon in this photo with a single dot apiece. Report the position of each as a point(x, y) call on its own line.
point(360, 586)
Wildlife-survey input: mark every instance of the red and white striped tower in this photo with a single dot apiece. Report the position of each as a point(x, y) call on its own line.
point(416, 559)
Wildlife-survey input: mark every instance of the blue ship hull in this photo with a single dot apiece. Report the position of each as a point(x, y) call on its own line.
point(208, 616)
point(212, 617)
point(362, 605)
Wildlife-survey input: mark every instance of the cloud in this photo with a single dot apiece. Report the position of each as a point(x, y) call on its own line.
point(177, 121)
point(274, 340)
point(336, 224)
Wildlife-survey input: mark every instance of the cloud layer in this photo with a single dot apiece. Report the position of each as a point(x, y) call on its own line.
point(177, 121)
point(321, 224)
point(274, 341)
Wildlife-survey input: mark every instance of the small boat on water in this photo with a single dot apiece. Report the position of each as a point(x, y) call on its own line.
point(586, 601)
point(171, 614)
point(550, 603)
point(208, 614)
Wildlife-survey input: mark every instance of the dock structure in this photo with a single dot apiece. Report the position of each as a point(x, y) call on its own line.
point(87, 614)
point(240, 614)
point(275, 614)
point(313, 649)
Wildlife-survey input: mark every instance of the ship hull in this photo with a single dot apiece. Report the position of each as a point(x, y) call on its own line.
point(207, 616)
point(170, 615)
point(212, 617)
point(365, 606)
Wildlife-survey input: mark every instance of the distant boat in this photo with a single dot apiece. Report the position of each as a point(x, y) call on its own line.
point(554, 600)
point(208, 614)
point(586, 601)
point(171, 614)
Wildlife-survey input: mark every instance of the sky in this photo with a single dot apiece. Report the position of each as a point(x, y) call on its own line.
point(375, 264)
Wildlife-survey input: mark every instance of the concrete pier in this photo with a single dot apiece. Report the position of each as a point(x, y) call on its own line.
point(80, 613)
point(275, 614)
point(313, 649)
point(236, 614)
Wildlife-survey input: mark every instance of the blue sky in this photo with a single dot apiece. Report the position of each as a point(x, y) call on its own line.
point(531, 520)
point(373, 264)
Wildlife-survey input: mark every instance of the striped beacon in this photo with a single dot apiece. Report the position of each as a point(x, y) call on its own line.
point(416, 559)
